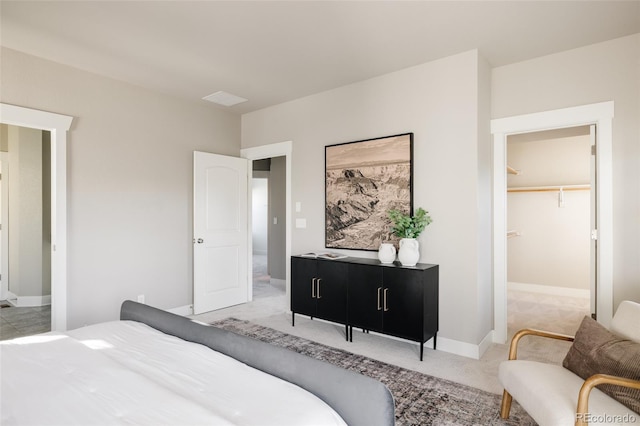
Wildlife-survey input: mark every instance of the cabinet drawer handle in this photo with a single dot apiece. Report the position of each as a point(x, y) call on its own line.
point(313, 288)
point(318, 290)
point(386, 308)
point(379, 291)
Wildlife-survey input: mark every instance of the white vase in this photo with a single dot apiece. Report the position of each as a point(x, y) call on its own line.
point(409, 252)
point(387, 253)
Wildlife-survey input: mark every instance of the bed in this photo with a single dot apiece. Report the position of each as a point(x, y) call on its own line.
point(157, 368)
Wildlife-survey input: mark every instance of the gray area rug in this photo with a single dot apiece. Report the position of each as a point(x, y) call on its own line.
point(420, 399)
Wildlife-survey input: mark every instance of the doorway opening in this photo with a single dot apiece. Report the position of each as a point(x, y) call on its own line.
point(601, 116)
point(25, 249)
point(25, 231)
point(58, 125)
point(268, 221)
point(550, 215)
point(280, 155)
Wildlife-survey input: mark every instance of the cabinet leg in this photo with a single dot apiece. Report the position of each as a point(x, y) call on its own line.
point(346, 332)
point(421, 350)
point(293, 319)
point(435, 336)
point(351, 334)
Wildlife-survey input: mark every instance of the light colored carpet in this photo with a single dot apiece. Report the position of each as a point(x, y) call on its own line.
point(560, 314)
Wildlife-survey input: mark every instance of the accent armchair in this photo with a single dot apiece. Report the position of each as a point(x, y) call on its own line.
point(598, 383)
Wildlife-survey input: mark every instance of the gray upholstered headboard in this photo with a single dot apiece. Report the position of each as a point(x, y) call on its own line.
point(359, 400)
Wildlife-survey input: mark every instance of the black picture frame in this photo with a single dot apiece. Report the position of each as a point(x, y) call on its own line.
point(363, 181)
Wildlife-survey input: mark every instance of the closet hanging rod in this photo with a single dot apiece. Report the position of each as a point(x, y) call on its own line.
point(552, 188)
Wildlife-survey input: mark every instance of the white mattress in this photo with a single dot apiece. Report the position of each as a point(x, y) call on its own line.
point(125, 372)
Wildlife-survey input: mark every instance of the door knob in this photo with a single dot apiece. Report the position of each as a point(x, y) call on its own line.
point(200, 241)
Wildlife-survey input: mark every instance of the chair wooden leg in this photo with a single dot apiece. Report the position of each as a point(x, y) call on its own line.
point(505, 407)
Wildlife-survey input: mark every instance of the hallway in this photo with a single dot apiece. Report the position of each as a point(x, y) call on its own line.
point(263, 285)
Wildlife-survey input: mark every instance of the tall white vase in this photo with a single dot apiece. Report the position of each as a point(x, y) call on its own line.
point(409, 252)
point(387, 253)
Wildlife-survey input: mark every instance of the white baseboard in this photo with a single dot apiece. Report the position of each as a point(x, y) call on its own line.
point(468, 350)
point(28, 301)
point(11, 298)
point(455, 347)
point(485, 344)
point(185, 310)
point(552, 290)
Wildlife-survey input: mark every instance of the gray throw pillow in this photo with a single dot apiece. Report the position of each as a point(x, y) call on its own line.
point(598, 351)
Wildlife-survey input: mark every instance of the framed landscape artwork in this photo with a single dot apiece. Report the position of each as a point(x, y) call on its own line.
point(363, 181)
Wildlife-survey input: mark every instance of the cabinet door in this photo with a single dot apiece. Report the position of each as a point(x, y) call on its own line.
point(403, 303)
point(331, 290)
point(303, 272)
point(365, 297)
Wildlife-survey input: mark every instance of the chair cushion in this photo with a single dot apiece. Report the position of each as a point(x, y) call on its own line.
point(597, 350)
point(625, 321)
point(549, 393)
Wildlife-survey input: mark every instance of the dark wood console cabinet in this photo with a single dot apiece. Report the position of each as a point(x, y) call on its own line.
point(364, 293)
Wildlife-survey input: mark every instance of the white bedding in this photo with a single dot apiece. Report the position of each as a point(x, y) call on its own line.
point(125, 372)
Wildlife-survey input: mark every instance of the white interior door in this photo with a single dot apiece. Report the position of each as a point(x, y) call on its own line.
point(221, 252)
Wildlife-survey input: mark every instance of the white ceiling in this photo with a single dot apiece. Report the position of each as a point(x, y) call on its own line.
point(272, 52)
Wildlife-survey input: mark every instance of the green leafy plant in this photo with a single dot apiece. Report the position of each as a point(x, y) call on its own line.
point(406, 226)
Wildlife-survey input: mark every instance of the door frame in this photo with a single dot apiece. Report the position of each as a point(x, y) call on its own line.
point(58, 125)
point(281, 149)
point(4, 240)
point(600, 114)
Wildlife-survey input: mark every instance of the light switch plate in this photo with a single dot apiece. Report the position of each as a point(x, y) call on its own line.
point(301, 223)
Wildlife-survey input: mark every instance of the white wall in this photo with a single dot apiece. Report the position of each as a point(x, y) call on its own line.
point(278, 208)
point(439, 102)
point(259, 213)
point(129, 182)
point(600, 72)
point(553, 246)
point(484, 206)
